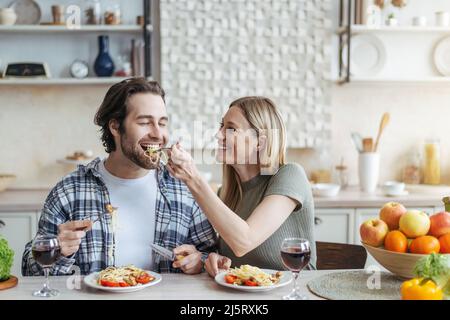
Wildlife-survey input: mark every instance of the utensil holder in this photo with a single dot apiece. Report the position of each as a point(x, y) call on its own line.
point(368, 171)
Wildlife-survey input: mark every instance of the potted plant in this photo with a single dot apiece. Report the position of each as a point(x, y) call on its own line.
point(391, 20)
point(6, 260)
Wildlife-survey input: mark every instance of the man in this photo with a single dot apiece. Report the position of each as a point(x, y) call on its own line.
point(110, 211)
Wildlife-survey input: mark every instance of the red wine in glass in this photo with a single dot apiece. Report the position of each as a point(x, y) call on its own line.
point(46, 256)
point(46, 250)
point(295, 254)
point(294, 258)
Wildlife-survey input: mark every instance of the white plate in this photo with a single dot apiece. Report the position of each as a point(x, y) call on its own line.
point(368, 55)
point(285, 279)
point(442, 56)
point(91, 281)
point(28, 11)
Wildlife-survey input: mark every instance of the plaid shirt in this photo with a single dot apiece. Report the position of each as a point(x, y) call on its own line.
point(178, 220)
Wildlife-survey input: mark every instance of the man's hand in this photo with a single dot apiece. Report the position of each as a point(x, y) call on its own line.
point(70, 235)
point(189, 259)
point(216, 263)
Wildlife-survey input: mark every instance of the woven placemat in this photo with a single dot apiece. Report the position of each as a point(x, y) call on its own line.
point(356, 285)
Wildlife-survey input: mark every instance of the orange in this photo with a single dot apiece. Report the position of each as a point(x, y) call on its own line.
point(425, 245)
point(396, 241)
point(445, 243)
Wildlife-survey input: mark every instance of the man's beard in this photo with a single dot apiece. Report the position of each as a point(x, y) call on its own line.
point(136, 154)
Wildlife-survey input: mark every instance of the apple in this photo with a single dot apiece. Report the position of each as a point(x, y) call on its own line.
point(391, 213)
point(440, 224)
point(414, 223)
point(373, 232)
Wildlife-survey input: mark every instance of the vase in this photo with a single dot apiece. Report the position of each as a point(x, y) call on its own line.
point(7, 16)
point(104, 65)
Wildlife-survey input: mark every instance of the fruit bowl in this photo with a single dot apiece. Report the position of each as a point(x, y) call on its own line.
point(400, 264)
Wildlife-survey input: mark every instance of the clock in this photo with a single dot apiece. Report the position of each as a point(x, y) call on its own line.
point(79, 69)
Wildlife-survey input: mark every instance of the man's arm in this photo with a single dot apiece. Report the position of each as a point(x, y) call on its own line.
point(53, 214)
point(201, 233)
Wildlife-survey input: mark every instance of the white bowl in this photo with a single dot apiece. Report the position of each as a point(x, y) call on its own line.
point(393, 188)
point(325, 189)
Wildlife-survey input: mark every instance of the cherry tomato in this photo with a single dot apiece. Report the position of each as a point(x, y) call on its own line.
point(250, 283)
point(230, 278)
point(107, 283)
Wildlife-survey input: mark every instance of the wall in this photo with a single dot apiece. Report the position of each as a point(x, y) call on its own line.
point(39, 125)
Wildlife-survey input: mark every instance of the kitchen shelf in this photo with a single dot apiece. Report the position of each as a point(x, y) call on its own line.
point(84, 28)
point(63, 81)
point(412, 80)
point(356, 28)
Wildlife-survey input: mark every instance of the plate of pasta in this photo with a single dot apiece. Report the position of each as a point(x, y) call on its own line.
point(250, 278)
point(123, 279)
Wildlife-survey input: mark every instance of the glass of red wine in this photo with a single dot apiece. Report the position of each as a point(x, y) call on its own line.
point(295, 253)
point(46, 251)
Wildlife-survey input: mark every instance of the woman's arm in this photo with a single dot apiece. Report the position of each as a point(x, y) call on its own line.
point(241, 236)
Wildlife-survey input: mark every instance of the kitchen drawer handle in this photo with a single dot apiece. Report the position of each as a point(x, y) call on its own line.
point(317, 221)
point(2, 224)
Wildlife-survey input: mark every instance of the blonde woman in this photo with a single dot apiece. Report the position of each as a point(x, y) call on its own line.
point(262, 199)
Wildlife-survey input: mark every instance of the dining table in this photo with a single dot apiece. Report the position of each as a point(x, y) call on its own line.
point(174, 286)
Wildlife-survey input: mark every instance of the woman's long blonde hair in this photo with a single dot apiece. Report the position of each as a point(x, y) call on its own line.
point(263, 116)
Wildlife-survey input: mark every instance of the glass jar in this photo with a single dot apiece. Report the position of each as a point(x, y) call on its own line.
point(432, 162)
point(322, 172)
point(113, 14)
point(341, 174)
point(411, 171)
point(93, 12)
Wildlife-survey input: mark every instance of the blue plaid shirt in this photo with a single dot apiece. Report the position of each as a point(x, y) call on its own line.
point(178, 220)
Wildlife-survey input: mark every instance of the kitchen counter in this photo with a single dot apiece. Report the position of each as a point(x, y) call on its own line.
point(33, 199)
point(174, 286)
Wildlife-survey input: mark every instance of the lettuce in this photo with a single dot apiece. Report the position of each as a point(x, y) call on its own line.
point(435, 267)
point(6, 259)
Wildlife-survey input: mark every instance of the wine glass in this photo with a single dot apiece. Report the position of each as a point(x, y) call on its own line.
point(46, 251)
point(295, 253)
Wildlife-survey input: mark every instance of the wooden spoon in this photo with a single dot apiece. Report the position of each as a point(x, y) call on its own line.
point(383, 124)
point(367, 144)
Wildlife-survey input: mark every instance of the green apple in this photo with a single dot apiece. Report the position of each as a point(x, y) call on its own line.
point(414, 223)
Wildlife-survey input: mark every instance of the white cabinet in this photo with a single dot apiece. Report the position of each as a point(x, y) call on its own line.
point(19, 228)
point(334, 225)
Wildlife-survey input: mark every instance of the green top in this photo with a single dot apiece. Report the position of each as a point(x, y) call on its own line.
point(291, 181)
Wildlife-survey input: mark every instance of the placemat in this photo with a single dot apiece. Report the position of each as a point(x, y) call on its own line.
point(353, 285)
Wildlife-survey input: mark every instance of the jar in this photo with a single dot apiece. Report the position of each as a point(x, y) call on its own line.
point(432, 162)
point(341, 175)
point(322, 172)
point(113, 14)
point(411, 171)
point(92, 12)
point(7, 16)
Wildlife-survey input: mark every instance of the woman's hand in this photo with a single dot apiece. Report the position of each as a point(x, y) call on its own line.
point(181, 165)
point(189, 259)
point(216, 263)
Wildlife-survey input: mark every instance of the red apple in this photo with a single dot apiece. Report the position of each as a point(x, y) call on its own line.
point(373, 232)
point(391, 213)
point(440, 224)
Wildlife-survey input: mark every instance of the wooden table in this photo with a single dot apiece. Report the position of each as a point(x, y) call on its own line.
point(172, 287)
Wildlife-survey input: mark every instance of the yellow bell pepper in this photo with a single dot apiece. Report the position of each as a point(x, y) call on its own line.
point(414, 290)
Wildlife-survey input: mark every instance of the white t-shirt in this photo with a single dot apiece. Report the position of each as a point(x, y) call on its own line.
point(136, 203)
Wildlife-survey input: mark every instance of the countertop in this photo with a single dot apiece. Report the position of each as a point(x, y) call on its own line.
point(174, 286)
point(22, 200)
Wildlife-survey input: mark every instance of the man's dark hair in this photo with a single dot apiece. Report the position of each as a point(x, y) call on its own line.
point(114, 106)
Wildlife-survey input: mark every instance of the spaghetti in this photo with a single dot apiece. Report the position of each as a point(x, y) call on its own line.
point(123, 277)
point(247, 275)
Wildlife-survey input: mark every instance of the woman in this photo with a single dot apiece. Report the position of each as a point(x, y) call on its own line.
point(262, 199)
